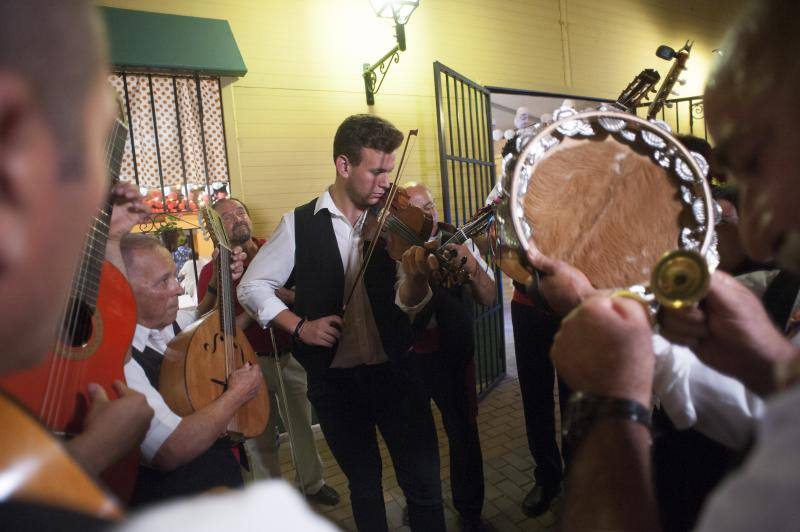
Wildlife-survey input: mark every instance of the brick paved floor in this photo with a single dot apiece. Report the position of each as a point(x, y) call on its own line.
point(507, 464)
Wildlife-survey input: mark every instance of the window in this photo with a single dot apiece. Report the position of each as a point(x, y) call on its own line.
point(176, 146)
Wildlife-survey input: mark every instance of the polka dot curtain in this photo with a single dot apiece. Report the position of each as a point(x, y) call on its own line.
point(176, 149)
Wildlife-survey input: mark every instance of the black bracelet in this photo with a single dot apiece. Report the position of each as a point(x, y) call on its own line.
point(296, 335)
point(211, 290)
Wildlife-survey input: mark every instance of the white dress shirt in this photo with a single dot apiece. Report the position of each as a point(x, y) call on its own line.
point(694, 395)
point(697, 396)
point(360, 342)
point(164, 421)
point(762, 494)
point(264, 505)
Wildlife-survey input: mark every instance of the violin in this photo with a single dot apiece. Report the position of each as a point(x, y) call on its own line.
point(397, 225)
point(407, 225)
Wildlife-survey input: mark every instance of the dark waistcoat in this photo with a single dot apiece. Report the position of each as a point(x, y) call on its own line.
point(319, 290)
point(779, 297)
point(214, 468)
point(452, 308)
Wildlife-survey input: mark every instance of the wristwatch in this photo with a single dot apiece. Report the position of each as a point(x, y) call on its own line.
point(584, 408)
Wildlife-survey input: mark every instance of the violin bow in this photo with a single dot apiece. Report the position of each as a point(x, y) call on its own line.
point(384, 215)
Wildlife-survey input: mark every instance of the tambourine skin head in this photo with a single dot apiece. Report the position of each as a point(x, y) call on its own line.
point(609, 193)
point(680, 279)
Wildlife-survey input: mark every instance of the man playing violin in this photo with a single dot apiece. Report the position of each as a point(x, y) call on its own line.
point(359, 371)
point(180, 455)
point(444, 352)
point(263, 450)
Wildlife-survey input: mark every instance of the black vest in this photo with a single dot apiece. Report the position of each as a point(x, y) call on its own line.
point(214, 468)
point(453, 310)
point(779, 297)
point(319, 290)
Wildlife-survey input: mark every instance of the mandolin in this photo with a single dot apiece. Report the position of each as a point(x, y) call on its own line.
point(95, 333)
point(201, 358)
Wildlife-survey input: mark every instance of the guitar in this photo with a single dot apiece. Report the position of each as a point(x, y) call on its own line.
point(35, 468)
point(641, 86)
point(666, 89)
point(201, 358)
point(95, 333)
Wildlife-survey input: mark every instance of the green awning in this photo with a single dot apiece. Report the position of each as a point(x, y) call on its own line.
point(140, 39)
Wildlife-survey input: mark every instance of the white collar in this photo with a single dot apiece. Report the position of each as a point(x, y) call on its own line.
point(325, 201)
point(156, 339)
point(140, 337)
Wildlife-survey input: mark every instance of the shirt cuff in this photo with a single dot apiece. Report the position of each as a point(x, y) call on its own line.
point(161, 428)
point(413, 311)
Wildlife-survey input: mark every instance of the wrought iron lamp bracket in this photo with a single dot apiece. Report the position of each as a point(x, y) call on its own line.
point(370, 73)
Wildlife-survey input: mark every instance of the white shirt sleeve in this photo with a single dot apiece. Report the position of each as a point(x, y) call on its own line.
point(164, 421)
point(697, 396)
point(268, 271)
point(412, 311)
point(265, 505)
point(477, 254)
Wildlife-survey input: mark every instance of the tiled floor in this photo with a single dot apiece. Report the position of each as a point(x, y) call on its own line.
point(507, 465)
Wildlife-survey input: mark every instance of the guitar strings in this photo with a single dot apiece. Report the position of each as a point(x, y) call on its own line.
point(60, 388)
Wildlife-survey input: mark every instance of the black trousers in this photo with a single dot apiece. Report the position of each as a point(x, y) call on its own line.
point(217, 467)
point(687, 466)
point(450, 382)
point(350, 404)
point(533, 336)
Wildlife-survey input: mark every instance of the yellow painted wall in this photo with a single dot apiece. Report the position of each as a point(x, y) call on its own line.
point(304, 60)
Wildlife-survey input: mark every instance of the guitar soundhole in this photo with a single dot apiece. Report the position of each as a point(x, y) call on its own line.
point(77, 328)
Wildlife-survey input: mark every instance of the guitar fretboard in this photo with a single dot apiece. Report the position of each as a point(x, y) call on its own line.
point(86, 282)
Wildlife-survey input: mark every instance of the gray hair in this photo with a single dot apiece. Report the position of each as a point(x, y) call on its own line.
point(137, 242)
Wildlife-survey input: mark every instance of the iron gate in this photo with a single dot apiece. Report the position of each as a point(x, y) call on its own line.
point(686, 116)
point(463, 114)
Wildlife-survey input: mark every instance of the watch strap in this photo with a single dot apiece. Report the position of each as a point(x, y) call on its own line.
point(584, 409)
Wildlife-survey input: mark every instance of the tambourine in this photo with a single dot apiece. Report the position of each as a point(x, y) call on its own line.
point(607, 192)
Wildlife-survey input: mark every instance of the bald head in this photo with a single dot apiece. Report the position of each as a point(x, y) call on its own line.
point(752, 114)
point(759, 55)
point(419, 195)
point(151, 272)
